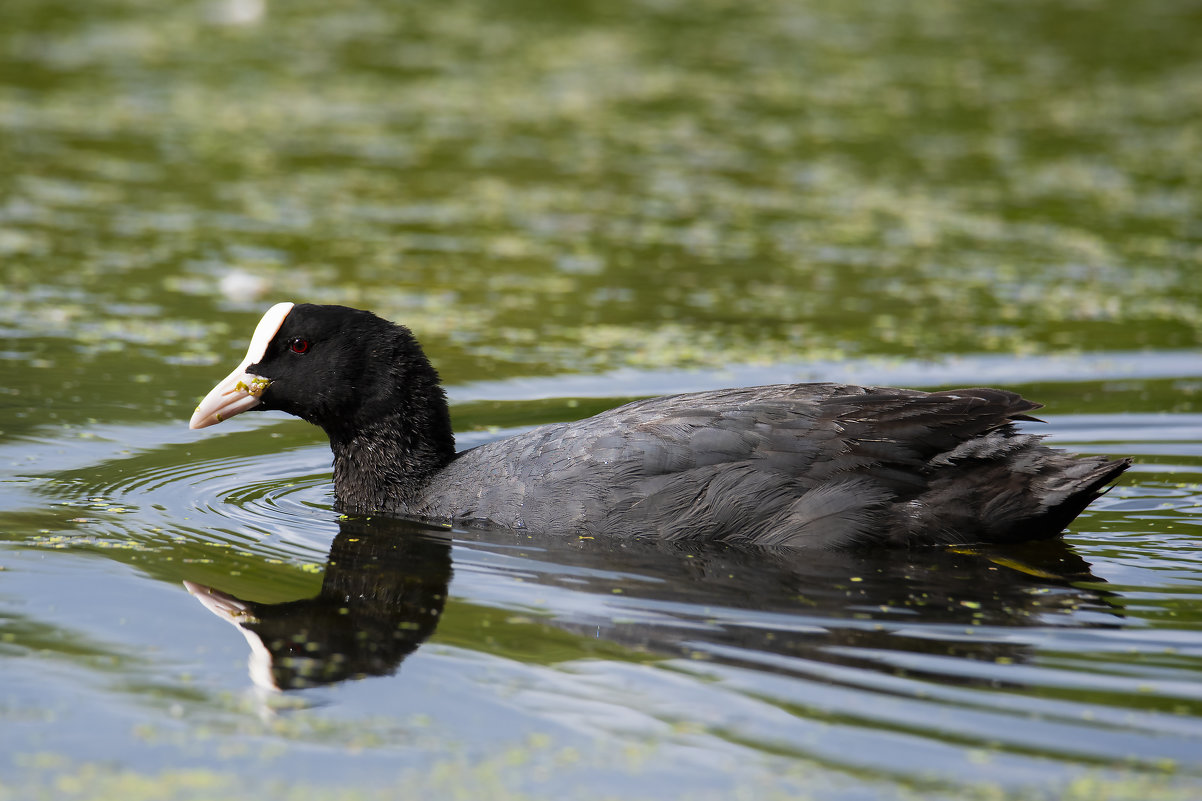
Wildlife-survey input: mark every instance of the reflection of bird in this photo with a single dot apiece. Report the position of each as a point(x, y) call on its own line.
point(385, 588)
point(820, 465)
point(383, 592)
point(865, 609)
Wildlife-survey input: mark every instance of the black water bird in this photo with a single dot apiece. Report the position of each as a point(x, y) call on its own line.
point(801, 465)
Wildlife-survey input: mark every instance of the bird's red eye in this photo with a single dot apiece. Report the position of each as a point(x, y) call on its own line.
point(300, 346)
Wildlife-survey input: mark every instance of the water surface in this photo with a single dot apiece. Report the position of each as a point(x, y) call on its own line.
point(573, 205)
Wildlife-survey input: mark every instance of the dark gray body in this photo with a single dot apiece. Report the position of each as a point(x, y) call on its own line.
point(807, 465)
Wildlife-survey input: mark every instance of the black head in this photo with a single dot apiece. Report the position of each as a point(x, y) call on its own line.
point(343, 369)
point(339, 367)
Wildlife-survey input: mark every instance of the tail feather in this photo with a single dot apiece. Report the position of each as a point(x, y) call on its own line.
point(1031, 494)
point(1090, 480)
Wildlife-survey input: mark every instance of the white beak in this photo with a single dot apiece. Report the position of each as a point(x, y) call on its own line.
point(240, 390)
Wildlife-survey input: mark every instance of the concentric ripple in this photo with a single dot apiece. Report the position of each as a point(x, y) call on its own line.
point(276, 502)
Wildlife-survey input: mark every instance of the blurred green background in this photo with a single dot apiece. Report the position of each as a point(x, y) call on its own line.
point(537, 187)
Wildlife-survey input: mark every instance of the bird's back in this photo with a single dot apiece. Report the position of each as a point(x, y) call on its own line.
point(806, 465)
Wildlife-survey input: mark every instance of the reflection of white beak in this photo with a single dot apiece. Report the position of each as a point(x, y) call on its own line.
point(224, 605)
point(232, 610)
point(240, 390)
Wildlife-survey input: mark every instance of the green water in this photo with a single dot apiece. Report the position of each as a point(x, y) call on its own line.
point(572, 204)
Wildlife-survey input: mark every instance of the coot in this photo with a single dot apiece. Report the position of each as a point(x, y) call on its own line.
point(800, 465)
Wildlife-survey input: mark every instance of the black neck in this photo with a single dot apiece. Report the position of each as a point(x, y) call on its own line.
point(383, 463)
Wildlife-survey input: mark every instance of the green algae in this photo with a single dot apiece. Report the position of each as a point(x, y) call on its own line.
point(534, 191)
